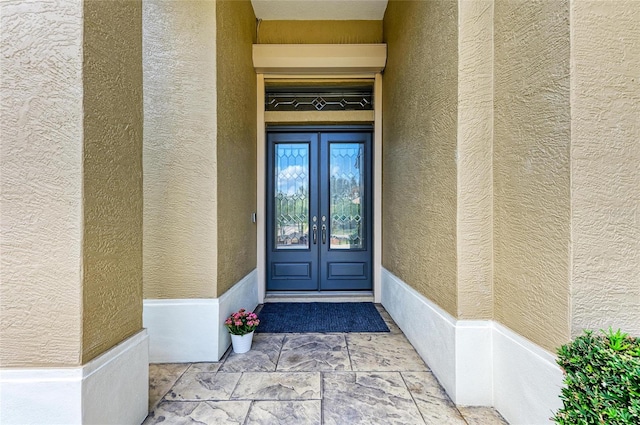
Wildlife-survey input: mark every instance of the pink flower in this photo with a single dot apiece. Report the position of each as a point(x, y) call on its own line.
point(241, 322)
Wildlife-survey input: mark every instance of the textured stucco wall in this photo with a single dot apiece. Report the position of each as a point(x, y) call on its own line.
point(531, 169)
point(605, 170)
point(236, 142)
point(112, 239)
point(475, 149)
point(320, 32)
point(419, 156)
point(40, 183)
point(179, 153)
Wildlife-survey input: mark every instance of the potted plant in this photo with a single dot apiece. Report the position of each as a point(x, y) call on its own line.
point(241, 326)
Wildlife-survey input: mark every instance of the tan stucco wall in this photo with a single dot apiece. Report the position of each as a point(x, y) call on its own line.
point(605, 170)
point(179, 154)
point(71, 180)
point(320, 32)
point(531, 169)
point(112, 238)
point(41, 183)
point(475, 144)
point(419, 156)
point(236, 142)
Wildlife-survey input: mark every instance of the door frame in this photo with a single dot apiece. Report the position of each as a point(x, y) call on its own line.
point(334, 119)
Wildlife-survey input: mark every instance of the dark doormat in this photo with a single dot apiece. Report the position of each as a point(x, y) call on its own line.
point(320, 317)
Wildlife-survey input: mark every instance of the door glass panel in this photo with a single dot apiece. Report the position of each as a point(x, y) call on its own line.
point(346, 193)
point(291, 189)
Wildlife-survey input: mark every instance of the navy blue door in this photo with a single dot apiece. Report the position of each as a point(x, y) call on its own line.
point(319, 211)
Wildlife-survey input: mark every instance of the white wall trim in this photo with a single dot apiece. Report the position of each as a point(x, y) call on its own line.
point(478, 362)
point(261, 190)
point(243, 294)
point(527, 380)
point(377, 189)
point(192, 330)
point(113, 388)
point(319, 58)
point(474, 363)
point(316, 117)
point(434, 337)
point(181, 330)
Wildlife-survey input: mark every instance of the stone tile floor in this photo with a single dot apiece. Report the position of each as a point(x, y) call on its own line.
point(342, 379)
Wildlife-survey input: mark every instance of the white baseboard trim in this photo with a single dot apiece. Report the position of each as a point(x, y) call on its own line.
point(113, 388)
point(181, 330)
point(526, 378)
point(474, 363)
point(243, 294)
point(434, 336)
point(192, 330)
point(480, 362)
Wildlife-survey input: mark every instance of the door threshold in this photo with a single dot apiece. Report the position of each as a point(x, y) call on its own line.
point(319, 297)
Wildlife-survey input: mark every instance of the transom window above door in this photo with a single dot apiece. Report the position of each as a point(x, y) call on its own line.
point(319, 98)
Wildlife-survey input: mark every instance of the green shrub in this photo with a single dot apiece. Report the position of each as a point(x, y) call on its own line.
point(602, 380)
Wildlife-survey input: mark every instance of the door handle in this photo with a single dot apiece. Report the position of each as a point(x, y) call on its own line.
point(315, 234)
point(324, 234)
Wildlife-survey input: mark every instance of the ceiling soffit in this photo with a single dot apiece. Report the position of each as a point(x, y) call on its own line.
point(372, 10)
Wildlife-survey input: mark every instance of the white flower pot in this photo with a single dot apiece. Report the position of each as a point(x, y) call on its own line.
point(241, 343)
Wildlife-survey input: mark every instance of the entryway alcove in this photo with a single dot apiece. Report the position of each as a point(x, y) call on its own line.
point(313, 111)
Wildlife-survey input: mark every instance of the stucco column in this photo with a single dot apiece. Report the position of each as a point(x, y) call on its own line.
point(474, 231)
point(180, 214)
point(41, 184)
point(605, 177)
point(531, 169)
point(71, 199)
point(199, 174)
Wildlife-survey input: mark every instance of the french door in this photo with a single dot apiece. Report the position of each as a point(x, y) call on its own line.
point(319, 218)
